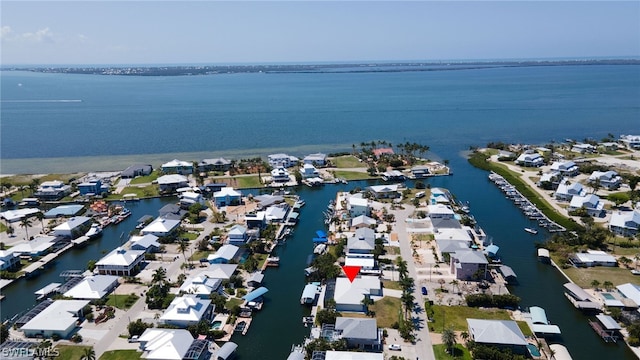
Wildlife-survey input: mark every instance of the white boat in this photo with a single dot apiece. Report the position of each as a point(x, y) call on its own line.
point(94, 231)
point(531, 231)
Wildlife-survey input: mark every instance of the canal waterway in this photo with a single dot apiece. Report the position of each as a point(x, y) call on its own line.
point(279, 324)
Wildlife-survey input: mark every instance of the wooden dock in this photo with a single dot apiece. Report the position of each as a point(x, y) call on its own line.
point(606, 336)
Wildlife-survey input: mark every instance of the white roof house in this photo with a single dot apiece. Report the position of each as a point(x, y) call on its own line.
point(18, 214)
point(201, 285)
point(39, 246)
point(568, 168)
point(348, 295)
point(177, 166)
point(189, 198)
point(567, 190)
point(284, 160)
point(120, 262)
point(317, 159)
point(8, 259)
point(452, 234)
point(362, 221)
point(237, 235)
point(173, 179)
point(593, 258)
point(440, 211)
point(366, 263)
point(607, 179)
point(280, 174)
point(74, 227)
point(187, 310)
point(630, 291)
point(358, 206)
point(496, 332)
point(352, 355)
point(165, 344)
point(93, 287)
point(160, 227)
point(385, 191)
point(309, 171)
point(219, 271)
point(227, 196)
point(625, 223)
point(631, 141)
point(224, 254)
point(530, 159)
point(359, 333)
point(148, 243)
point(590, 202)
point(59, 318)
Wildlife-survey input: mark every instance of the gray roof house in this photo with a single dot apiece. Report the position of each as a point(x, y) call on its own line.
point(625, 223)
point(468, 264)
point(504, 334)
point(136, 170)
point(363, 242)
point(359, 333)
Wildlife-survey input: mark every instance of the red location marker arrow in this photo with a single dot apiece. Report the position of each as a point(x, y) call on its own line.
point(351, 271)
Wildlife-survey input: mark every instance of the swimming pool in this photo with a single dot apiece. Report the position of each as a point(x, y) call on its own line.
point(533, 350)
point(608, 296)
point(216, 325)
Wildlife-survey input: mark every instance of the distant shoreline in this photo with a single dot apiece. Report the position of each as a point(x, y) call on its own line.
point(363, 67)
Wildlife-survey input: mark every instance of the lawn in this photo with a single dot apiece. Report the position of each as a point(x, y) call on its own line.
point(456, 317)
point(350, 175)
point(233, 302)
point(347, 161)
point(393, 285)
point(242, 182)
point(459, 351)
point(200, 255)
point(141, 192)
point(386, 311)
point(145, 179)
point(122, 301)
point(584, 276)
point(121, 355)
point(70, 352)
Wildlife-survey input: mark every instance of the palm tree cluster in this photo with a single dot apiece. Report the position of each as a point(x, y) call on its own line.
point(407, 299)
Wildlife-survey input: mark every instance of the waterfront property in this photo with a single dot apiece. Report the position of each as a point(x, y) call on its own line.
point(176, 166)
point(165, 344)
point(362, 221)
point(591, 203)
point(9, 260)
point(93, 287)
point(237, 235)
point(202, 285)
point(420, 171)
point(282, 160)
point(187, 310)
point(566, 168)
point(39, 246)
point(74, 227)
point(18, 214)
point(317, 159)
point(227, 196)
point(309, 171)
point(280, 175)
point(161, 227)
point(567, 190)
point(310, 293)
point(538, 322)
point(120, 262)
point(349, 295)
point(52, 190)
point(54, 318)
point(189, 198)
point(580, 298)
point(226, 351)
point(147, 243)
point(93, 187)
point(224, 255)
point(609, 180)
point(64, 210)
point(530, 159)
point(503, 334)
point(217, 164)
point(358, 206)
point(468, 265)
point(136, 170)
point(172, 182)
point(632, 142)
point(630, 291)
point(625, 223)
point(390, 191)
point(592, 258)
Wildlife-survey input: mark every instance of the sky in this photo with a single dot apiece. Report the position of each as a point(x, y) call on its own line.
point(230, 32)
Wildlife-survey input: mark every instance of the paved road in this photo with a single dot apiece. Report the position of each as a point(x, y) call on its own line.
point(424, 347)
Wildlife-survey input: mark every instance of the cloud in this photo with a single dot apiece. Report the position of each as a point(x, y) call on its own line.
point(40, 36)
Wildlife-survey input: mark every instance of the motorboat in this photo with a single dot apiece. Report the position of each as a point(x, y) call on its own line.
point(94, 231)
point(531, 231)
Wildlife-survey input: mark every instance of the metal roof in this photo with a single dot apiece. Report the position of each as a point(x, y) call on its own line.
point(227, 350)
point(196, 349)
point(608, 322)
point(255, 294)
point(33, 312)
point(538, 315)
point(321, 234)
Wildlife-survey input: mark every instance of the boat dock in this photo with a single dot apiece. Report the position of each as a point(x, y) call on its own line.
point(79, 242)
point(529, 209)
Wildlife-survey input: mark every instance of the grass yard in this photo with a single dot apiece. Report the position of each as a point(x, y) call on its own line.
point(459, 352)
point(145, 179)
point(122, 301)
point(386, 311)
point(242, 182)
point(347, 161)
point(141, 192)
point(233, 302)
point(351, 175)
point(200, 255)
point(70, 352)
point(455, 317)
point(393, 285)
point(120, 355)
point(584, 276)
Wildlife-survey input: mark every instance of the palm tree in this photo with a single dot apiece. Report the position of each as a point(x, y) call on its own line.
point(449, 339)
point(608, 285)
point(88, 354)
point(40, 216)
point(594, 284)
point(453, 283)
point(407, 299)
point(183, 246)
point(465, 336)
point(159, 276)
point(636, 257)
point(26, 223)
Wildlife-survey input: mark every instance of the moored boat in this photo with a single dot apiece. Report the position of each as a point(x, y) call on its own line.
point(94, 231)
point(531, 231)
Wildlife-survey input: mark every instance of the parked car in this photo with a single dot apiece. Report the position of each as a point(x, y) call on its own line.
point(394, 347)
point(424, 290)
point(133, 339)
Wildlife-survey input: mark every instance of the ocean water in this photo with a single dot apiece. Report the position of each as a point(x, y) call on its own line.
point(66, 122)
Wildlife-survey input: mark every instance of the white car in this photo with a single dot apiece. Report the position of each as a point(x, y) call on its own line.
point(394, 347)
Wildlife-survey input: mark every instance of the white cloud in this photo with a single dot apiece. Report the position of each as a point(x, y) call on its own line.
point(42, 35)
point(6, 32)
point(82, 38)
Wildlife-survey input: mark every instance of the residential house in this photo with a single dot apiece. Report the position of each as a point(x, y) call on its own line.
point(237, 235)
point(201, 285)
point(282, 160)
point(120, 262)
point(74, 227)
point(591, 203)
point(592, 258)
point(226, 351)
point(218, 271)
point(440, 211)
point(172, 182)
point(549, 180)
point(362, 221)
point(280, 174)
point(52, 190)
point(583, 148)
point(439, 196)
point(625, 223)
point(18, 214)
point(187, 310)
point(504, 334)
point(468, 265)
point(632, 142)
point(385, 191)
point(609, 146)
point(393, 175)
point(161, 227)
point(136, 170)
point(451, 246)
point(39, 246)
point(420, 172)
point(147, 243)
point(9, 260)
point(567, 190)
point(217, 164)
point(349, 295)
point(362, 334)
point(358, 206)
point(566, 168)
point(317, 159)
point(176, 166)
point(189, 198)
point(630, 291)
point(530, 159)
point(93, 287)
point(93, 186)
point(366, 261)
point(309, 171)
point(227, 197)
point(362, 242)
point(257, 220)
point(224, 255)
point(60, 318)
point(609, 180)
point(346, 355)
point(379, 152)
point(255, 280)
point(172, 212)
point(165, 344)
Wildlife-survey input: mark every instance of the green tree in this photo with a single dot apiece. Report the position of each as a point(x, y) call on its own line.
point(88, 354)
point(91, 265)
point(138, 327)
point(159, 276)
point(26, 223)
point(40, 217)
point(449, 339)
point(326, 316)
point(4, 333)
point(608, 285)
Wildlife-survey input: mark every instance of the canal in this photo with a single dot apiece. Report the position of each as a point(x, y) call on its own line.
point(279, 324)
